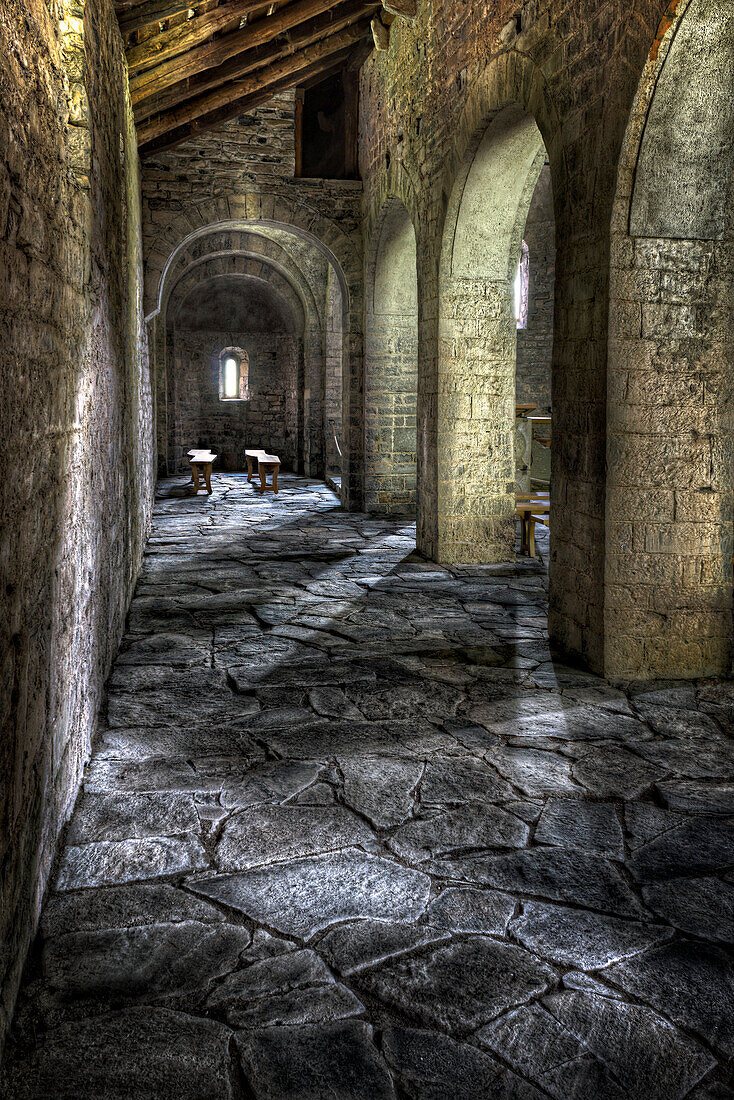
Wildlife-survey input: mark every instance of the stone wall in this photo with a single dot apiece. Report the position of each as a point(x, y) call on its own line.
point(535, 342)
point(425, 104)
point(268, 419)
point(75, 418)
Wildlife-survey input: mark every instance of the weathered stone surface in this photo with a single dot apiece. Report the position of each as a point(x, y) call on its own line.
point(692, 983)
point(431, 1066)
point(703, 906)
point(701, 798)
point(450, 781)
point(381, 787)
point(123, 907)
point(461, 986)
point(551, 873)
point(575, 937)
point(694, 847)
point(641, 1049)
point(148, 1053)
point(582, 826)
point(270, 783)
point(352, 948)
point(308, 1063)
point(210, 773)
point(610, 771)
point(535, 772)
point(406, 738)
point(464, 909)
point(264, 834)
point(541, 1049)
point(102, 816)
point(110, 863)
point(146, 963)
point(471, 826)
point(306, 895)
point(289, 989)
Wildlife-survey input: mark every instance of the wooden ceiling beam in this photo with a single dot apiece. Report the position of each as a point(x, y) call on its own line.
point(222, 98)
point(246, 62)
point(210, 54)
point(186, 131)
point(153, 11)
point(188, 35)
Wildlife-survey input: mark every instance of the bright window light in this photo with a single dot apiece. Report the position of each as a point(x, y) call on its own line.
point(230, 378)
point(518, 293)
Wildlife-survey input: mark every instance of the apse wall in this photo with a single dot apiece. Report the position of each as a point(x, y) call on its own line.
point(75, 419)
point(535, 342)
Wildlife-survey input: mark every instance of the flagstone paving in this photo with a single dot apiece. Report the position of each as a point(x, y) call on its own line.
point(351, 830)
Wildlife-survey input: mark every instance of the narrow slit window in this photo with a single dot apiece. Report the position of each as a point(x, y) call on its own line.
point(234, 370)
point(231, 387)
point(521, 288)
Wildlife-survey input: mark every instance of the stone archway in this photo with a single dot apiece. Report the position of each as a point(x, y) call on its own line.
point(670, 405)
point(482, 240)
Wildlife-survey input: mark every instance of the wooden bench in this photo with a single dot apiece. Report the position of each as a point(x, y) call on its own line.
point(266, 464)
point(201, 466)
point(531, 508)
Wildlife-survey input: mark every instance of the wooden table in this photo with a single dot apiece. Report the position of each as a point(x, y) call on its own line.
point(266, 464)
point(531, 510)
point(201, 466)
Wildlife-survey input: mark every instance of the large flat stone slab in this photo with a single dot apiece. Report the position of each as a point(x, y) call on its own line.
point(305, 896)
point(351, 948)
point(552, 873)
point(578, 938)
point(541, 1049)
point(582, 826)
point(141, 964)
point(264, 834)
point(690, 983)
point(382, 788)
point(466, 909)
point(105, 816)
point(145, 1053)
point(460, 986)
point(432, 1066)
point(111, 863)
point(123, 907)
point(649, 1056)
point(702, 906)
point(329, 740)
point(451, 781)
point(474, 825)
point(311, 1063)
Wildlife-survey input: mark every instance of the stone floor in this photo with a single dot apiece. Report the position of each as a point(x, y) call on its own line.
point(349, 831)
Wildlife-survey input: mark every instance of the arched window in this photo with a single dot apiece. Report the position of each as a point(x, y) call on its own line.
point(522, 288)
point(234, 366)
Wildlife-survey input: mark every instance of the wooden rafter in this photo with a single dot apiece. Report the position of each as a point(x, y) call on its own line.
point(183, 38)
point(228, 95)
point(188, 130)
point(249, 60)
point(195, 65)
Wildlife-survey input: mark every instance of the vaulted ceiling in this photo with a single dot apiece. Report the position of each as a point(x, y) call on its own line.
point(194, 65)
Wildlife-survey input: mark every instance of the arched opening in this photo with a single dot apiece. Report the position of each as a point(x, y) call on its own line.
point(495, 341)
point(236, 369)
point(670, 452)
point(391, 367)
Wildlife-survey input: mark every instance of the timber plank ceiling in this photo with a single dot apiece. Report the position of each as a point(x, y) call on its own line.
point(194, 65)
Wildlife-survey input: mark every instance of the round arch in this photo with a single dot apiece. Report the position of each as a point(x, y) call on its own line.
point(670, 400)
point(477, 336)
